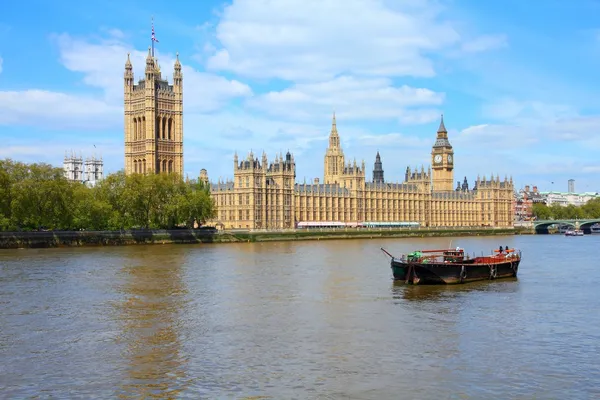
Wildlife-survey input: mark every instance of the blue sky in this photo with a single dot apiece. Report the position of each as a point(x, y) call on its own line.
point(516, 82)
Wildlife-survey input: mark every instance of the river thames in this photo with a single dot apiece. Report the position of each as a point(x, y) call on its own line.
point(305, 320)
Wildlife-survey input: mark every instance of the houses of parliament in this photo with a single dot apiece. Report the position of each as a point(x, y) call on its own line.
point(265, 195)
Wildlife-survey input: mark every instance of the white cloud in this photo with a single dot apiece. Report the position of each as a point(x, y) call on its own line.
point(355, 98)
point(320, 39)
point(103, 64)
point(56, 110)
point(591, 169)
point(511, 109)
point(552, 149)
point(485, 43)
point(396, 140)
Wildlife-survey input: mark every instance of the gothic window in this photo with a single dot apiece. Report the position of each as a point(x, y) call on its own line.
point(247, 181)
point(164, 126)
point(170, 128)
point(170, 166)
point(144, 165)
point(164, 166)
point(135, 166)
point(135, 128)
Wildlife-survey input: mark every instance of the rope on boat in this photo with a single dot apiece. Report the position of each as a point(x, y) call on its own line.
point(411, 269)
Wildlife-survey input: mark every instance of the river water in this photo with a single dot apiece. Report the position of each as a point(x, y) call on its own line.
point(301, 320)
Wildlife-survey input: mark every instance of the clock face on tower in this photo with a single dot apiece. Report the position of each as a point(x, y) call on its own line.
point(449, 158)
point(437, 159)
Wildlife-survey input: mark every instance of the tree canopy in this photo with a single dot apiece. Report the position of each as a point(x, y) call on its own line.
point(38, 196)
point(555, 211)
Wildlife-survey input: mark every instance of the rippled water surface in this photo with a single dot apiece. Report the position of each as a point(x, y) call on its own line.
point(297, 320)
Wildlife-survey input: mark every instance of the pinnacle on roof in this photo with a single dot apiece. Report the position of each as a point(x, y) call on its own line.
point(333, 125)
point(177, 63)
point(442, 128)
point(128, 62)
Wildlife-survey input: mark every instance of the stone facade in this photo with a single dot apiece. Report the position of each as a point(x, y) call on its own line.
point(73, 167)
point(94, 170)
point(153, 120)
point(89, 172)
point(266, 196)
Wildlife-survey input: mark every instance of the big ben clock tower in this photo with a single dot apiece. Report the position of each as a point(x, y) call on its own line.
point(442, 160)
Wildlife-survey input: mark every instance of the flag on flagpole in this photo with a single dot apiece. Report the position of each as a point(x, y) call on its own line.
point(154, 39)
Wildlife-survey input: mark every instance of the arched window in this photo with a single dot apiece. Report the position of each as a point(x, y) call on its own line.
point(143, 130)
point(135, 166)
point(164, 127)
point(164, 166)
point(143, 169)
point(135, 127)
point(170, 129)
point(170, 166)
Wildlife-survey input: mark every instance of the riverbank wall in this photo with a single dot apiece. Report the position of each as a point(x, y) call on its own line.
point(16, 240)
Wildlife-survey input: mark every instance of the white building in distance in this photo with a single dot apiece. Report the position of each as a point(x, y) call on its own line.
point(90, 172)
point(565, 199)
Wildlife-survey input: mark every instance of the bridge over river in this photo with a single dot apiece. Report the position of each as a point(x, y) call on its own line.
point(541, 226)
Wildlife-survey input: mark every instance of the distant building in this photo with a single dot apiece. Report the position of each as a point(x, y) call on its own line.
point(203, 176)
point(90, 172)
point(565, 199)
point(94, 170)
point(73, 167)
point(264, 195)
point(524, 200)
point(571, 186)
point(378, 170)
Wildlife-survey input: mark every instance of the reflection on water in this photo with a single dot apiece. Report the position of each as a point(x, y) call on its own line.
point(402, 291)
point(150, 318)
point(296, 320)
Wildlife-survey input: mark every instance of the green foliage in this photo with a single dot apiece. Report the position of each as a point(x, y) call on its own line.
point(555, 211)
point(37, 196)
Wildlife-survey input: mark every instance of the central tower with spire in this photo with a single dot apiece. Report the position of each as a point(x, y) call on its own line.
point(442, 161)
point(334, 157)
point(153, 119)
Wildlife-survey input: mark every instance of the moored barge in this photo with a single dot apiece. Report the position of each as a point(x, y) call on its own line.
point(454, 266)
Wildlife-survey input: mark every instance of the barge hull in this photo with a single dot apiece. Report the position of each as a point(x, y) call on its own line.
point(447, 274)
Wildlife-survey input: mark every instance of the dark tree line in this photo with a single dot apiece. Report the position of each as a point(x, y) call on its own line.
point(38, 196)
point(555, 211)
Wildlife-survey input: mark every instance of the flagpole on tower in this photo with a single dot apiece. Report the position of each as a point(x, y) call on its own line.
point(153, 37)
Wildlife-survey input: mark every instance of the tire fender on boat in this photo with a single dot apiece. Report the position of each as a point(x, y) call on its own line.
point(463, 273)
point(493, 272)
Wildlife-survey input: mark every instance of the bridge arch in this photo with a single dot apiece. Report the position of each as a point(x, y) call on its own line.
point(541, 226)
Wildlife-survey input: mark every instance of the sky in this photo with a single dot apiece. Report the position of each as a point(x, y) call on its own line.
point(517, 82)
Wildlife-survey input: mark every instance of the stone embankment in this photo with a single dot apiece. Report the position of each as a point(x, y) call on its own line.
point(15, 240)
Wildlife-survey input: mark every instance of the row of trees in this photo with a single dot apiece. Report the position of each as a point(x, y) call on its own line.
point(555, 211)
point(38, 196)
